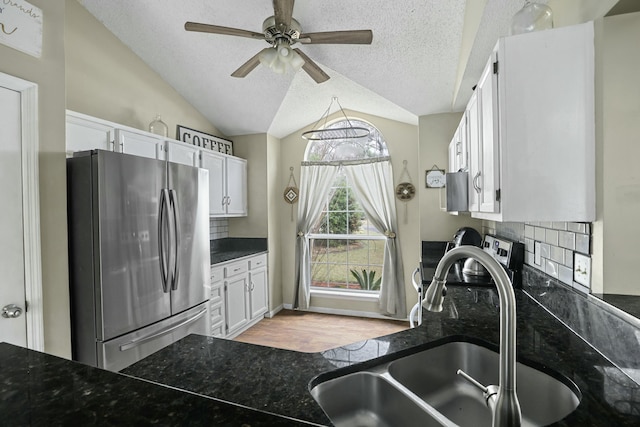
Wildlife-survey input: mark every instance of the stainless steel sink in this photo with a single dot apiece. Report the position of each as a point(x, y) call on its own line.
point(367, 399)
point(431, 375)
point(424, 389)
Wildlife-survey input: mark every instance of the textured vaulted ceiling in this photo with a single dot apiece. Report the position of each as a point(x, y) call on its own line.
point(416, 65)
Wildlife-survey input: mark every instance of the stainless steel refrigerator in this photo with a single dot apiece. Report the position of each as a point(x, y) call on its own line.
point(138, 255)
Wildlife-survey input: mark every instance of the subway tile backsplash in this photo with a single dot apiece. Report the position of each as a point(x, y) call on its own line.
point(218, 228)
point(558, 241)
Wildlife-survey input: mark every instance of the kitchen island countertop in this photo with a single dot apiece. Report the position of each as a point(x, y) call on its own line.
point(267, 386)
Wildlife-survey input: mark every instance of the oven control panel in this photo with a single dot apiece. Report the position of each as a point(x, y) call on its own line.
point(509, 254)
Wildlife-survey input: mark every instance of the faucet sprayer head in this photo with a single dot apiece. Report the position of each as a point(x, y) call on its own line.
point(434, 296)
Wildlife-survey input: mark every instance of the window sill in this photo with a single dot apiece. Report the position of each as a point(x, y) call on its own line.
point(350, 295)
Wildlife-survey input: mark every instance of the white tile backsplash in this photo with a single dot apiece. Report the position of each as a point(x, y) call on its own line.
point(582, 243)
point(551, 237)
point(565, 274)
point(555, 243)
point(551, 268)
point(529, 231)
point(218, 228)
point(545, 250)
point(577, 227)
point(557, 254)
point(567, 239)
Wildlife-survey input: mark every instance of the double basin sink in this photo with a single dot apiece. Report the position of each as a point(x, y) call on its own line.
point(424, 389)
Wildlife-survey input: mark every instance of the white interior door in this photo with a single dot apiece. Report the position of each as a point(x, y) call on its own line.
point(13, 324)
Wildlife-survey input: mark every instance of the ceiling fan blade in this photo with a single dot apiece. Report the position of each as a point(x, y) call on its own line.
point(216, 29)
point(283, 11)
point(312, 68)
point(338, 37)
point(248, 66)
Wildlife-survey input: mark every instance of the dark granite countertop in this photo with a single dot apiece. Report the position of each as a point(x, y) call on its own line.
point(277, 381)
point(231, 248)
point(630, 304)
point(37, 389)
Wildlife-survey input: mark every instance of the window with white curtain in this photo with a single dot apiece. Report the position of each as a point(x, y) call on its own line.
point(347, 252)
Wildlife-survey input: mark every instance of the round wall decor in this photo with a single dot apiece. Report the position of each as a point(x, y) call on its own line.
point(405, 191)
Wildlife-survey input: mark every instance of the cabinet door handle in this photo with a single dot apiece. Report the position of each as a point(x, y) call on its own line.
point(228, 200)
point(476, 178)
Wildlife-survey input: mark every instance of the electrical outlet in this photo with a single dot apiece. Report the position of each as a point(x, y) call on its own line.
point(537, 253)
point(582, 269)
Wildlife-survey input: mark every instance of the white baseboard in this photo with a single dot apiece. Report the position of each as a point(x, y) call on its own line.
point(275, 311)
point(341, 312)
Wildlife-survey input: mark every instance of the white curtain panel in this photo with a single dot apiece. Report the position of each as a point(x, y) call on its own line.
point(372, 184)
point(315, 183)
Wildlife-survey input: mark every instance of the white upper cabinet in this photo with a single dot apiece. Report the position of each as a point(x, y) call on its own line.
point(186, 154)
point(227, 174)
point(534, 159)
point(214, 163)
point(85, 133)
point(473, 114)
point(236, 186)
point(487, 181)
point(458, 148)
point(227, 184)
point(140, 144)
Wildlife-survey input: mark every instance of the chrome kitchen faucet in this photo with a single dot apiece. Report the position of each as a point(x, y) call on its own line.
point(504, 406)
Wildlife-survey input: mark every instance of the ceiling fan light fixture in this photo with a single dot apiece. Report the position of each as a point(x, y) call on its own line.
point(268, 56)
point(281, 58)
point(296, 62)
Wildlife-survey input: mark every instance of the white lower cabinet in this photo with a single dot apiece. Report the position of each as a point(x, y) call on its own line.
point(216, 303)
point(239, 295)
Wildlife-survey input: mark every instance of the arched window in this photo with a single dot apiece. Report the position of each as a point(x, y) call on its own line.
point(346, 250)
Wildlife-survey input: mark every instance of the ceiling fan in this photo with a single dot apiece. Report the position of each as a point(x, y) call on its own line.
point(282, 31)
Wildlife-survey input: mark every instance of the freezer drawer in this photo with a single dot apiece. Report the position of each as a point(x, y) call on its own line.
point(118, 353)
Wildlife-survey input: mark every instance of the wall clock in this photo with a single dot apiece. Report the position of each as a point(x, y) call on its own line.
point(435, 178)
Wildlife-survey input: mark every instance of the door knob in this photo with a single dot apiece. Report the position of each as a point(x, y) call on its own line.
point(11, 311)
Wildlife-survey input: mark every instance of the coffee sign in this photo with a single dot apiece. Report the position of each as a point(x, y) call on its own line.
point(21, 26)
point(204, 140)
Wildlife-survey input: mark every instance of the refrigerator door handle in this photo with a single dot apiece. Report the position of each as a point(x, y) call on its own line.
point(162, 251)
point(173, 201)
point(165, 331)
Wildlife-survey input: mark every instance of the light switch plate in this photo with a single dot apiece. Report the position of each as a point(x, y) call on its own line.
point(537, 253)
point(582, 269)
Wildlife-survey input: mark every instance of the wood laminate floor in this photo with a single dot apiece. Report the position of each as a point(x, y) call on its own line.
point(313, 332)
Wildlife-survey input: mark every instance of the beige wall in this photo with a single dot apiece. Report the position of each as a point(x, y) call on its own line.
point(402, 140)
point(48, 72)
point(570, 12)
point(274, 201)
point(262, 152)
point(436, 131)
point(106, 79)
point(620, 194)
point(254, 149)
